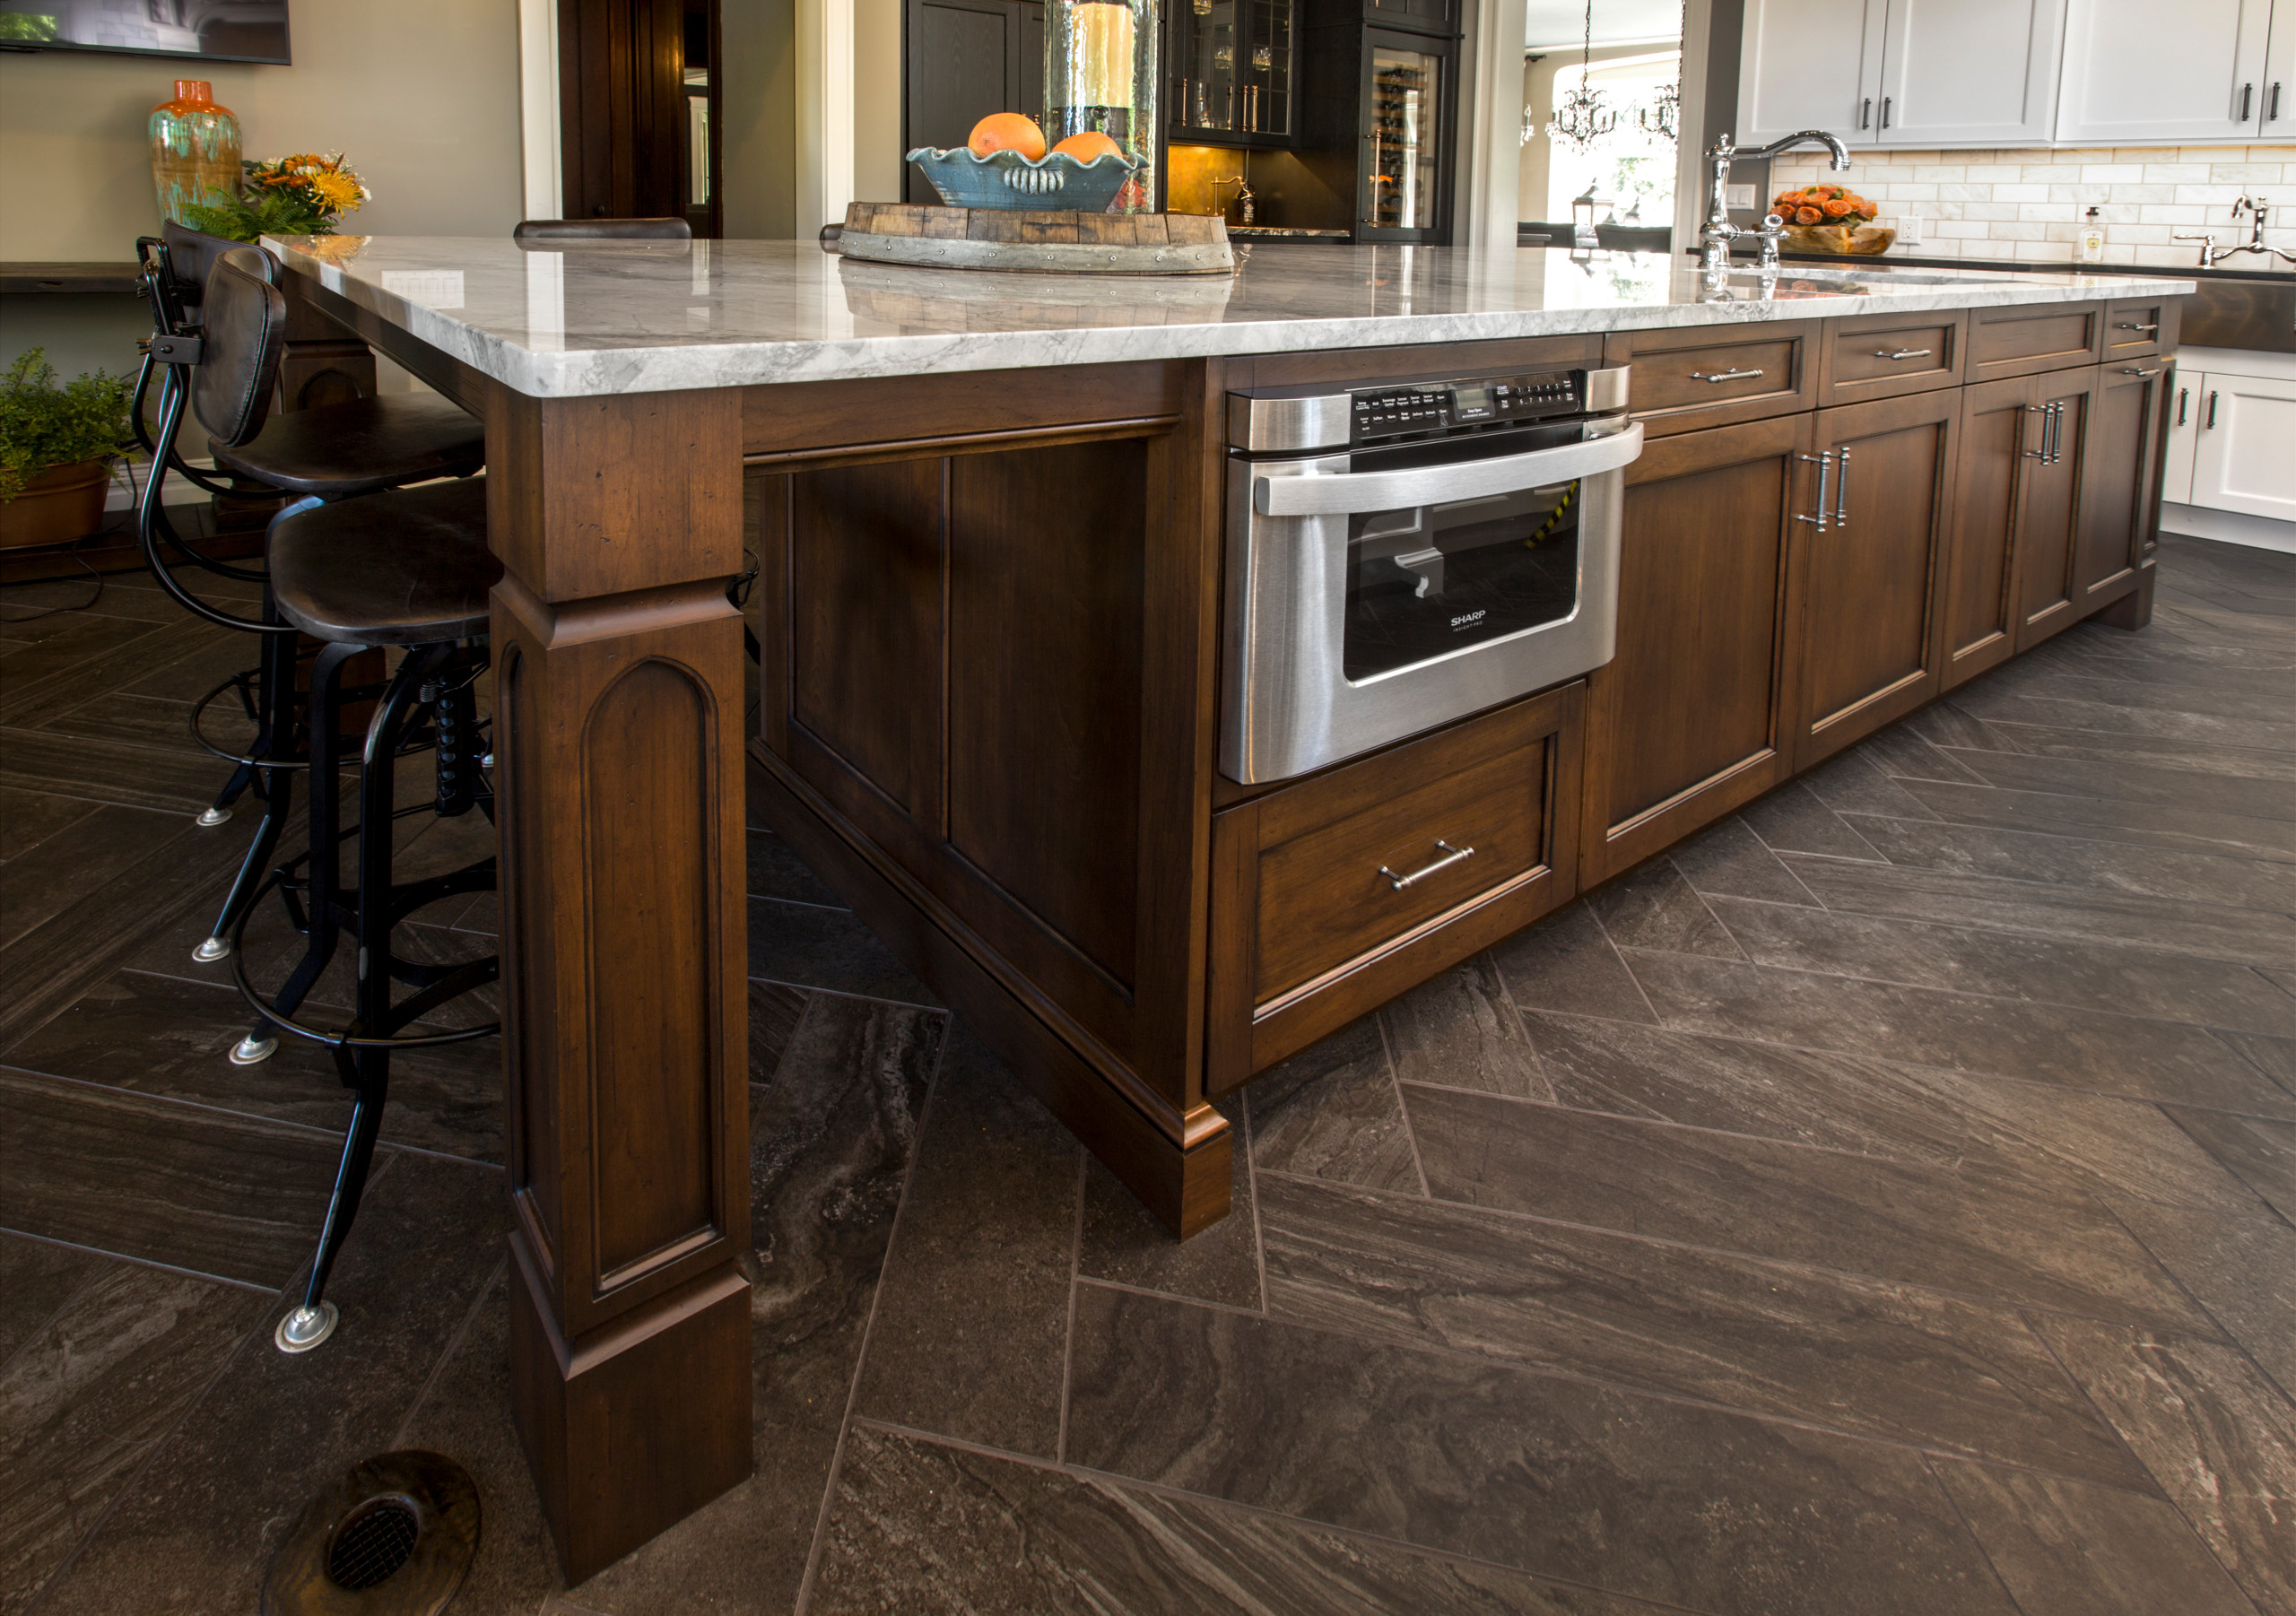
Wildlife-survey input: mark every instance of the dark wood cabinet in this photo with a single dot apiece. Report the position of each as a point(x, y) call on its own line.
point(2120, 487)
point(1885, 355)
point(1232, 69)
point(2049, 504)
point(1331, 895)
point(1979, 616)
point(966, 60)
point(1871, 568)
point(1688, 380)
point(1686, 721)
point(2026, 339)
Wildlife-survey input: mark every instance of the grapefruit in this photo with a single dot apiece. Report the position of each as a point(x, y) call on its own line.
point(1007, 131)
point(1090, 147)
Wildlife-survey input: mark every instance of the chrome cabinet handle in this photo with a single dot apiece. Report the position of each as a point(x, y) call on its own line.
point(1344, 493)
point(1724, 376)
point(2133, 370)
point(2184, 397)
point(1451, 855)
point(2128, 326)
point(1902, 354)
point(2040, 454)
point(1824, 463)
point(2056, 434)
point(1842, 488)
point(2211, 421)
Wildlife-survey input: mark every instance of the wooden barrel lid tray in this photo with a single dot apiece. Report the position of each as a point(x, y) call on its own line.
point(1042, 241)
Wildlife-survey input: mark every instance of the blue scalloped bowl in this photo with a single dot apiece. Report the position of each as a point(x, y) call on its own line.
point(1006, 179)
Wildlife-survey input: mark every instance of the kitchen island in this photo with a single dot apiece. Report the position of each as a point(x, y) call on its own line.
point(989, 513)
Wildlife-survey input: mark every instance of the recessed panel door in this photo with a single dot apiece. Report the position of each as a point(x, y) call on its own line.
point(2243, 459)
point(2000, 432)
point(2052, 506)
point(2119, 498)
point(2137, 73)
point(1871, 553)
point(1969, 70)
point(1810, 65)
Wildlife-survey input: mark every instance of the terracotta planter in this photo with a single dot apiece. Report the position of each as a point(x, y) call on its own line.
point(58, 505)
point(1860, 240)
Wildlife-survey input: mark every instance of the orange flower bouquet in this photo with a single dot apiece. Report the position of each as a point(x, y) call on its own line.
point(1830, 218)
point(305, 195)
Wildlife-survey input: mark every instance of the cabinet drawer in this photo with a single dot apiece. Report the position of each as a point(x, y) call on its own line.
point(1686, 381)
point(2135, 327)
point(2026, 339)
point(1884, 356)
point(1310, 928)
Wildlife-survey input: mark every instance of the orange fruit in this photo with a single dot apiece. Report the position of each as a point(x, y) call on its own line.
point(1090, 147)
point(1007, 131)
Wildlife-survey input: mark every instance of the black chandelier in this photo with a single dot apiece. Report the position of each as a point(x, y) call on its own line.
point(1583, 117)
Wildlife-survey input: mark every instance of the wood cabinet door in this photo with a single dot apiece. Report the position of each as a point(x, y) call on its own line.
point(1952, 71)
point(1871, 566)
point(2137, 75)
point(2000, 435)
point(2049, 507)
point(1689, 720)
point(2120, 488)
point(2241, 458)
point(1809, 64)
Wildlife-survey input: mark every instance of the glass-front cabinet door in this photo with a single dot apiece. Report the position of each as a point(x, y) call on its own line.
point(1403, 131)
point(1232, 71)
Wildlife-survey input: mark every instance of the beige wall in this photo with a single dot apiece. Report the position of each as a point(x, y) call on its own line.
point(422, 94)
point(877, 101)
point(758, 101)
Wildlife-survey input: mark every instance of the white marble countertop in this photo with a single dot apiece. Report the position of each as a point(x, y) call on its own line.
point(639, 317)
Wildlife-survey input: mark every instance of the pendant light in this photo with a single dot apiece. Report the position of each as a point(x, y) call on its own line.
point(1584, 118)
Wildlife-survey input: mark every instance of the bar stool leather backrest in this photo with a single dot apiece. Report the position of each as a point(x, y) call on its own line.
point(243, 325)
point(192, 254)
point(542, 232)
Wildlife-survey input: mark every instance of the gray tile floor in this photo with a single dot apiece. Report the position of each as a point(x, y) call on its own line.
point(1882, 1203)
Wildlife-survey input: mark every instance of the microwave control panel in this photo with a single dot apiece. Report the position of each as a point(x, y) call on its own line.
point(1413, 409)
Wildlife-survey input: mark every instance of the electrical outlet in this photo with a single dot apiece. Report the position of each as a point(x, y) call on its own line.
point(1909, 229)
point(1738, 196)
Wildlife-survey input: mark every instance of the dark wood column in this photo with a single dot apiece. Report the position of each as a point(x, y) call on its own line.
point(619, 762)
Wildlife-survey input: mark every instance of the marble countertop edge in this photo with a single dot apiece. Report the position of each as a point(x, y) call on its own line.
point(588, 367)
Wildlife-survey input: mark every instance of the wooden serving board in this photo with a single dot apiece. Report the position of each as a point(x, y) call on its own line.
point(1040, 240)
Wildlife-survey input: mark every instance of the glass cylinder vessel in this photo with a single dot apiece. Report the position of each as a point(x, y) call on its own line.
point(1100, 74)
point(195, 149)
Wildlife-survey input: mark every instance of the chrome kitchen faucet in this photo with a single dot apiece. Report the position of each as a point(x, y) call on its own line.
point(2212, 255)
point(1719, 233)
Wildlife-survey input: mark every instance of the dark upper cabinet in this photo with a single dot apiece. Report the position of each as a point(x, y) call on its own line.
point(1231, 72)
point(1388, 103)
point(967, 59)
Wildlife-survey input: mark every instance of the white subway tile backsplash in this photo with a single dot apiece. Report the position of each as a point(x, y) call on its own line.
point(2032, 205)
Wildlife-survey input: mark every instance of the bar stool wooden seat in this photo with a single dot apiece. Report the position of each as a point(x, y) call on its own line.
point(408, 569)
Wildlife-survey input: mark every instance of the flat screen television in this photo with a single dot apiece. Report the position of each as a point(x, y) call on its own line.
point(211, 31)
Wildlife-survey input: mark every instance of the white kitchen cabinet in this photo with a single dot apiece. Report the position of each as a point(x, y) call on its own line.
point(1900, 73)
point(1956, 72)
point(2138, 72)
point(2242, 429)
point(2183, 431)
point(1810, 65)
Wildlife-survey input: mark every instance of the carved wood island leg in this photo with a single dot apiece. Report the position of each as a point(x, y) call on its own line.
point(618, 668)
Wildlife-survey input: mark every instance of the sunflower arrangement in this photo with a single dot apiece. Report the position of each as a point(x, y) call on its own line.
point(1822, 205)
point(301, 196)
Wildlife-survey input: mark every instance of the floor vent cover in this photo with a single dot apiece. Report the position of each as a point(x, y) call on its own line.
point(393, 1536)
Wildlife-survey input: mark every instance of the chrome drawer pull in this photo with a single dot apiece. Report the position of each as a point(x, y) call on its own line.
point(1824, 463)
point(1725, 376)
point(2125, 326)
point(1903, 353)
point(1842, 488)
point(2133, 370)
point(1451, 855)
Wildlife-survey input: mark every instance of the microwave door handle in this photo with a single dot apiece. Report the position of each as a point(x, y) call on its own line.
point(1348, 493)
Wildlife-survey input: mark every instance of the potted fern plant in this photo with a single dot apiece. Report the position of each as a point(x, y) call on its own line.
point(57, 441)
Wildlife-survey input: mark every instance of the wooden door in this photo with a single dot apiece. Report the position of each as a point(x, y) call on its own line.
point(1952, 71)
point(2120, 493)
point(2000, 435)
point(1810, 65)
point(626, 127)
point(2050, 510)
point(2136, 75)
point(1870, 567)
point(1690, 719)
point(2241, 458)
point(966, 60)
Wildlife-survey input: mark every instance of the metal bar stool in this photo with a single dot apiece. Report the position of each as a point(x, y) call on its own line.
point(333, 452)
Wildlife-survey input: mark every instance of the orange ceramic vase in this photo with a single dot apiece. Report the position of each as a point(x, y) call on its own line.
point(195, 149)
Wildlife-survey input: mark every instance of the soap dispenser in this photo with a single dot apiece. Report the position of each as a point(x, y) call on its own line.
point(2092, 238)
